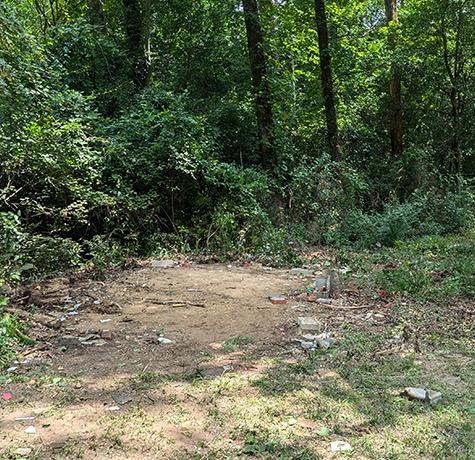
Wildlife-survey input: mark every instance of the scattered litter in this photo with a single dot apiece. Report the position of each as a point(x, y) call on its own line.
point(97, 302)
point(24, 419)
point(72, 313)
point(6, 396)
point(23, 451)
point(164, 340)
point(103, 321)
point(340, 446)
point(164, 263)
point(278, 299)
point(12, 369)
point(420, 394)
point(30, 429)
point(308, 324)
point(121, 399)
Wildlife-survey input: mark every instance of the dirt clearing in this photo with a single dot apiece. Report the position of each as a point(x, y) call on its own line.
point(182, 362)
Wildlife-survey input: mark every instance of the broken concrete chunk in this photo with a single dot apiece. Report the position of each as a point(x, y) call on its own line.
point(164, 263)
point(308, 345)
point(420, 394)
point(340, 446)
point(433, 397)
point(308, 324)
point(324, 343)
point(278, 299)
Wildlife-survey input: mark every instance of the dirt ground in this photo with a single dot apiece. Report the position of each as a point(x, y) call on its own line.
point(100, 384)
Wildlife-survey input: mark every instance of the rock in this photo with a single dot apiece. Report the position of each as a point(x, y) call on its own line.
point(301, 272)
point(106, 334)
point(433, 397)
point(340, 446)
point(30, 429)
point(164, 263)
point(23, 451)
point(420, 394)
point(121, 399)
point(324, 343)
point(324, 301)
point(164, 340)
point(308, 324)
point(307, 345)
point(277, 299)
point(112, 408)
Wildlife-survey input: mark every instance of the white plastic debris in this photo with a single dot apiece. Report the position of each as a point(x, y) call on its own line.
point(30, 429)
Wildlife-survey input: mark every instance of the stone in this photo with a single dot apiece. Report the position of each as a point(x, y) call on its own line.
point(420, 394)
point(106, 334)
point(23, 451)
point(324, 343)
point(324, 301)
point(277, 299)
point(308, 324)
point(164, 340)
point(164, 263)
point(307, 345)
point(340, 446)
point(415, 393)
point(433, 397)
point(301, 272)
point(121, 399)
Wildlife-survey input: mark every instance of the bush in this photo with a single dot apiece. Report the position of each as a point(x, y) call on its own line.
point(425, 213)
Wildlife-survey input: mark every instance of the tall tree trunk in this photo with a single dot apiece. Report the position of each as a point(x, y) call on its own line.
point(137, 29)
point(395, 108)
point(455, 73)
point(258, 64)
point(327, 80)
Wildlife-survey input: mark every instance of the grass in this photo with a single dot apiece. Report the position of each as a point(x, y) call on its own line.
point(293, 406)
point(239, 341)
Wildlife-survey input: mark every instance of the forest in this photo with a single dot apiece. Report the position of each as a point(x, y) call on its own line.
point(255, 132)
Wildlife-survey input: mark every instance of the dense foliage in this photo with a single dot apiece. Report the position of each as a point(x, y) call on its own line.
point(130, 127)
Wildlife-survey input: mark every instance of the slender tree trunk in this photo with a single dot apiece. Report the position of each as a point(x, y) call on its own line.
point(327, 80)
point(137, 29)
point(395, 108)
point(258, 64)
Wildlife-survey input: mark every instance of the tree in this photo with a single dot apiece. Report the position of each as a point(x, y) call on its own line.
point(327, 79)
point(258, 64)
point(396, 128)
point(137, 29)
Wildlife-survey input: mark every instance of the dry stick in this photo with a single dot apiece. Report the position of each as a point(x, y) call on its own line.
point(175, 302)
